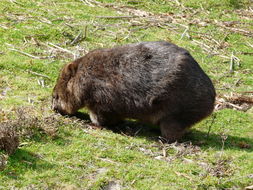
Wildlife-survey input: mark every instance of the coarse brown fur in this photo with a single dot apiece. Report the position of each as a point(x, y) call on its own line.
point(154, 82)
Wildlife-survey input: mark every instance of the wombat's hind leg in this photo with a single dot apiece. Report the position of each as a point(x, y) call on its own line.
point(171, 129)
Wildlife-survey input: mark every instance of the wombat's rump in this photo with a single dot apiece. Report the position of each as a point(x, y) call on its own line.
point(154, 82)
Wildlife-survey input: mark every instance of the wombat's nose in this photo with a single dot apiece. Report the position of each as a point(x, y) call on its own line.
point(53, 106)
point(55, 109)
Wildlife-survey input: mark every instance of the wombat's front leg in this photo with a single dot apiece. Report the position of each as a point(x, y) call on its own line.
point(171, 130)
point(104, 119)
point(96, 119)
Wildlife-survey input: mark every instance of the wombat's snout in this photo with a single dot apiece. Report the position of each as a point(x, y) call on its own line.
point(54, 105)
point(60, 107)
point(57, 108)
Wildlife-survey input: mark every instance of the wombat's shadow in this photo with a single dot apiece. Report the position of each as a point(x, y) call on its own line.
point(203, 139)
point(25, 160)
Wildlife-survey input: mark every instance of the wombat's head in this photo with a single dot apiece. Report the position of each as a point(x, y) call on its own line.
point(64, 100)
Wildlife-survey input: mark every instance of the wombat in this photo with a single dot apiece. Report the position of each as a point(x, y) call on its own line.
point(154, 82)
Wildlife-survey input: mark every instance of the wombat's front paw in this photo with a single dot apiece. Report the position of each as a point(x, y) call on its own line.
point(171, 130)
point(95, 119)
point(94, 126)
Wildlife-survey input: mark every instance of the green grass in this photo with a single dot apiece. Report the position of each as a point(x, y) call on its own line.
point(216, 154)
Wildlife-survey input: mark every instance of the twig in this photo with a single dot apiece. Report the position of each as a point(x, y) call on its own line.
point(204, 46)
point(240, 98)
point(60, 48)
point(212, 121)
point(85, 31)
point(29, 55)
point(116, 17)
point(185, 34)
point(235, 106)
point(44, 20)
point(236, 30)
point(247, 53)
point(15, 2)
point(184, 175)
point(249, 44)
point(4, 27)
point(223, 139)
point(223, 56)
point(87, 3)
point(77, 38)
point(24, 53)
point(38, 74)
point(179, 4)
point(136, 133)
point(41, 82)
point(234, 60)
point(237, 82)
point(247, 92)
point(232, 64)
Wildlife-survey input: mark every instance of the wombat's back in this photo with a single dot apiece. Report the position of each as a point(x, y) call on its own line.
point(143, 79)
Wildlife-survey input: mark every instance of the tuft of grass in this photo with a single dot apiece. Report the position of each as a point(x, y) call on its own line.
point(9, 141)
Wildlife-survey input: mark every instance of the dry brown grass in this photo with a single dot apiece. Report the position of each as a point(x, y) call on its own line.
point(9, 140)
point(25, 125)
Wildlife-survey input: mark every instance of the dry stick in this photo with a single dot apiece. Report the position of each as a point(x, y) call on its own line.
point(60, 48)
point(136, 133)
point(234, 60)
point(247, 92)
point(185, 33)
point(204, 46)
point(223, 56)
point(235, 106)
point(209, 128)
point(27, 54)
point(85, 31)
point(242, 98)
point(236, 30)
point(232, 63)
point(202, 43)
point(76, 38)
point(4, 27)
point(237, 81)
point(247, 53)
point(223, 40)
point(44, 20)
point(179, 4)
point(95, 2)
point(41, 82)
point(15, 2)
point(38, 74)
point(223, 139)
point(87, 3)
point(91, 2)
point(249, 44)
point(238, 61)
point(116, 17)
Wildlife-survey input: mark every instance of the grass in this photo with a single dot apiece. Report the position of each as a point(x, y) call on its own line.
point(66, 153)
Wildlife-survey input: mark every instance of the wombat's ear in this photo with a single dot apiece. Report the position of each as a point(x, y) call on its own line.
point(72, 68)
